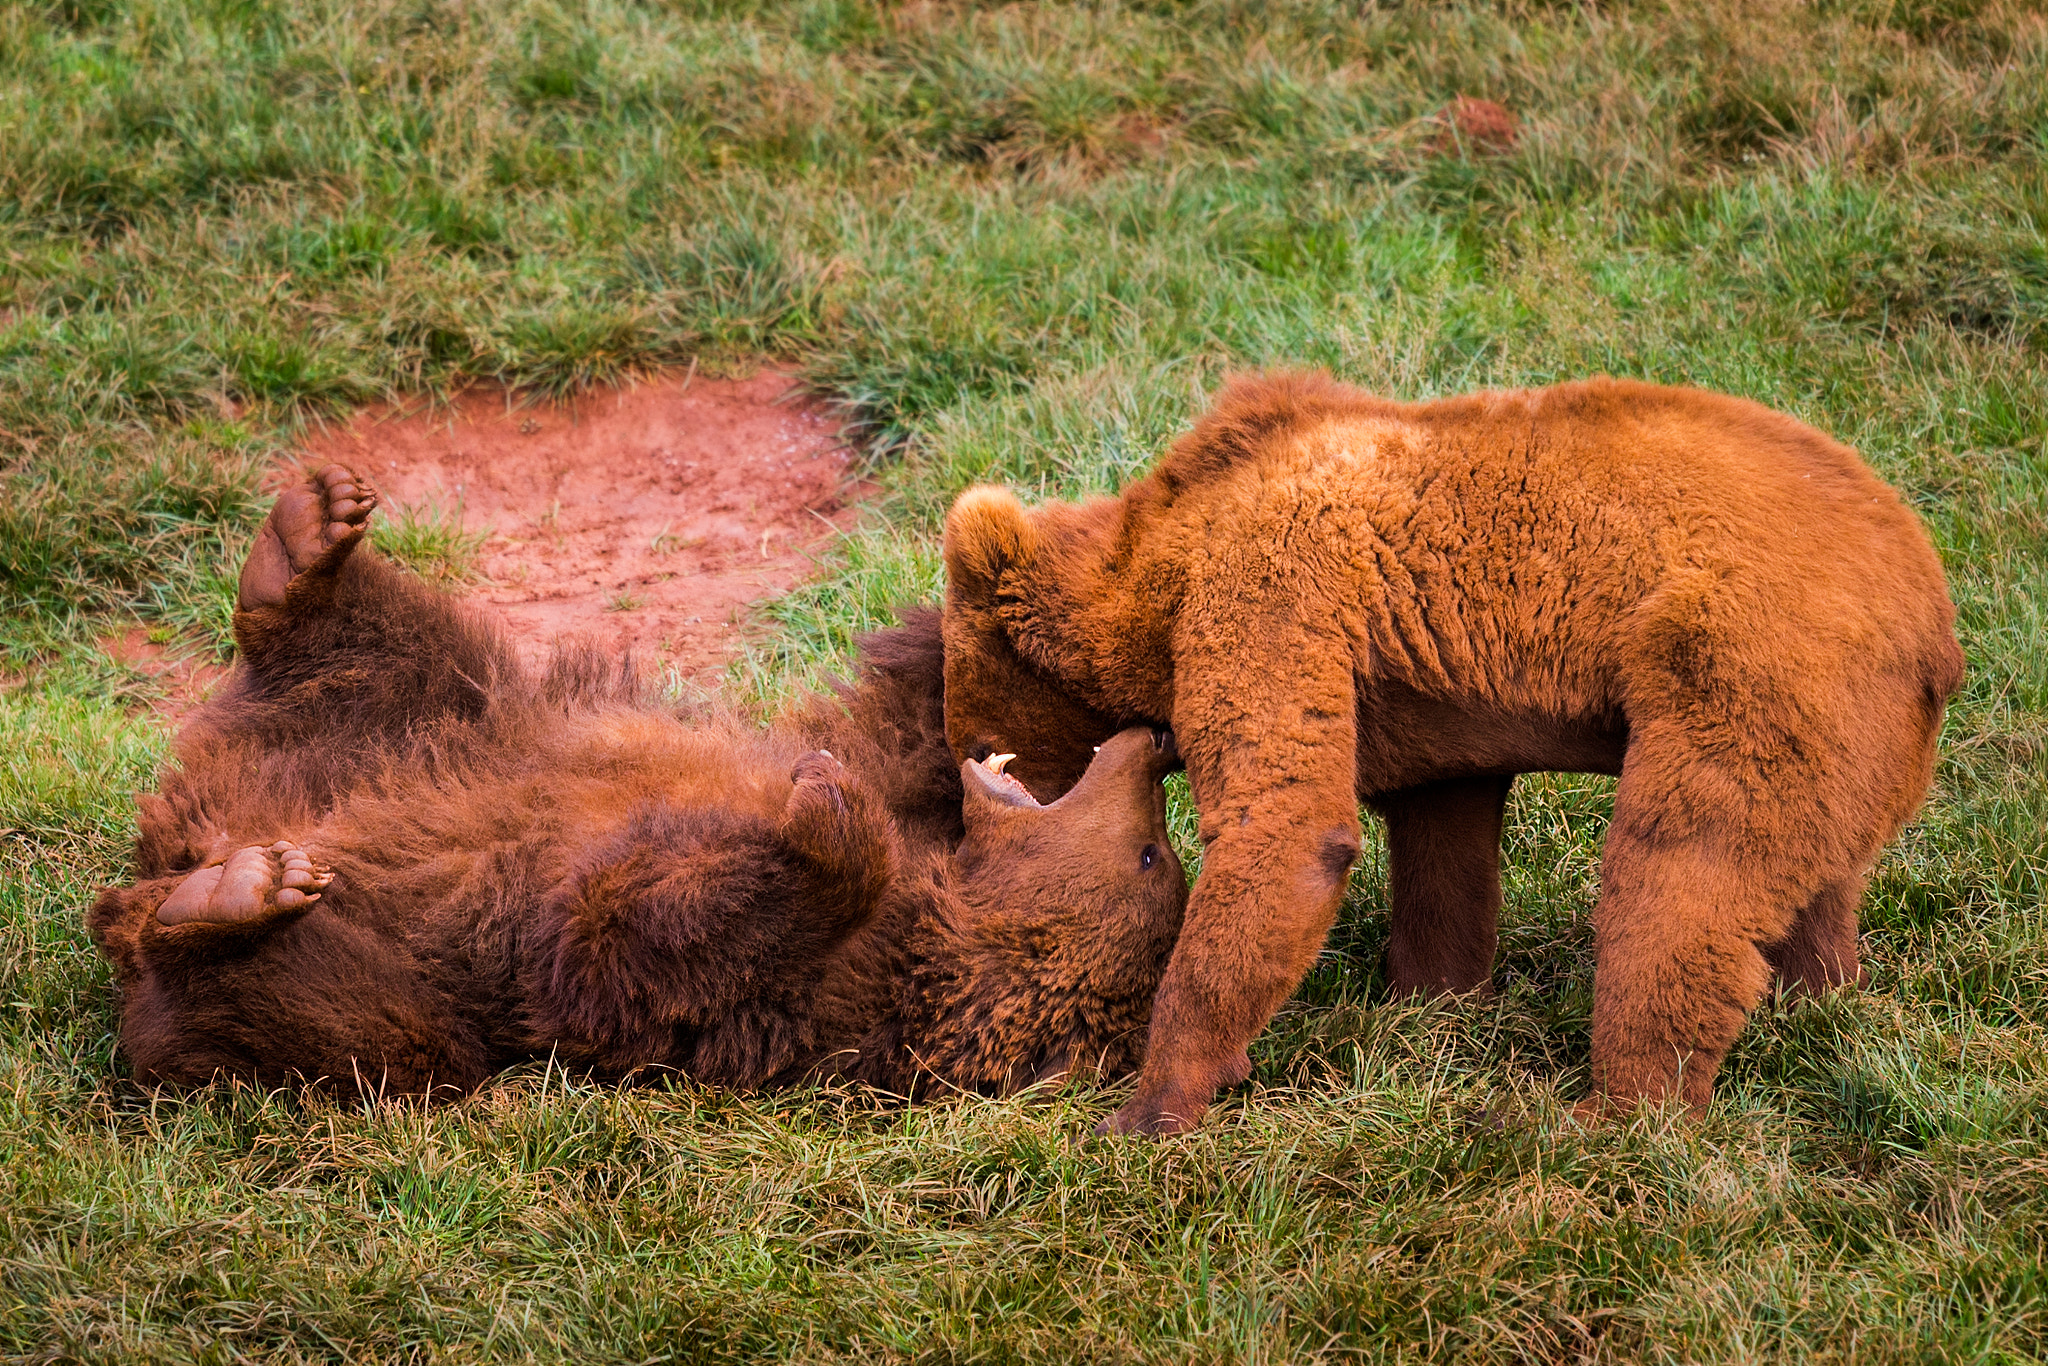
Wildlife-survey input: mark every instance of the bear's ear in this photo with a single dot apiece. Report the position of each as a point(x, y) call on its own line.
point(986, 532)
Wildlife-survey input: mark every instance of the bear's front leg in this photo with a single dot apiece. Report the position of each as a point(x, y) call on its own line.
point(712, 922)
point(1267, 721)
point(842, 832)
point(1268, 894)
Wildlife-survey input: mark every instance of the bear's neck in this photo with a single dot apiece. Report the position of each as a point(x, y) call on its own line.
point(858, 1012)
point(894, 1010)
point(951, 1025)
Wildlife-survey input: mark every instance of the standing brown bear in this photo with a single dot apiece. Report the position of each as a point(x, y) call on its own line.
point(1333, 597)
point(389, 861)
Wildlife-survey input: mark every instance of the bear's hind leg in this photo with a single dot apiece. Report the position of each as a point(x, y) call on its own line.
point(311, 530)
point(224, 974)
point(346, 665)
point(1443, 894)
point(1705, 865)
point(1820, 952)
point(1677, 969)
point(1744, 828)
point(342, 653)
point(189, 925)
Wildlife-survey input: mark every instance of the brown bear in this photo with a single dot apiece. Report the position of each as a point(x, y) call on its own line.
point(389, 861)
point(1332, 597)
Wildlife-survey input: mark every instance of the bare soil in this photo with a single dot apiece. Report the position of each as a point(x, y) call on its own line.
point(183, 676)
point(1476, 125)
point(649, 518)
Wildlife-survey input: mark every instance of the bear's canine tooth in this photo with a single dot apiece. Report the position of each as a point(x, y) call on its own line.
point(995, 762)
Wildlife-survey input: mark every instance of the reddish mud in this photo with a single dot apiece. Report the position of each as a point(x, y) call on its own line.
point(648, 518)
point(1476, 126)
point(182, 674)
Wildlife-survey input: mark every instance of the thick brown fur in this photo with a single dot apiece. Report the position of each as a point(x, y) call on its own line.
point(1333, 597)
point(387, 860)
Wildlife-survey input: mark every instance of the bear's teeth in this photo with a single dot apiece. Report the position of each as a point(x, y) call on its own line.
point(995, 762)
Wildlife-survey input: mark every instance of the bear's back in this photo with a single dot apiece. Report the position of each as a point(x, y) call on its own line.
point(1665, 446)
point(1478, 533)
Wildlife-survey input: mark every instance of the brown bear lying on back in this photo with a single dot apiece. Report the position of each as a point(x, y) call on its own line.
point(1332, 597)
point(389, 860)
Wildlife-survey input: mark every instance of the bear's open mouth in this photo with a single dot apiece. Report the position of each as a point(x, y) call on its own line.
point(1002, 784)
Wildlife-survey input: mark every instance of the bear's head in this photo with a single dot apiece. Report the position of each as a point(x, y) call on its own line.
point(1045, 957)
point(1014, 684)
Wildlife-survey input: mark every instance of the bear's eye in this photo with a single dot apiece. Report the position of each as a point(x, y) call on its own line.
point(1148, 858)
point(980, 753)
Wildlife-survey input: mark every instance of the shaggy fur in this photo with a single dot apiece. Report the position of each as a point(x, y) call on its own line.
point(1330, 596)
point(386, 860)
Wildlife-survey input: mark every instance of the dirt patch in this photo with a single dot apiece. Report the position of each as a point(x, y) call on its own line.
point(1475, 125)
point(182, 675)
point(649, 518)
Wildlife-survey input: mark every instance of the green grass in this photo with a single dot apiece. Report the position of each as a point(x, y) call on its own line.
point(1018, 242)
point(429, 538)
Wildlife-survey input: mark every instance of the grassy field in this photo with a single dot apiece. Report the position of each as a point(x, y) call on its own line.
point(1018, 242)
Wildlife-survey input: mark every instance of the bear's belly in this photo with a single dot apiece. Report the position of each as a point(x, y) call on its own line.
point(1406, 738)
